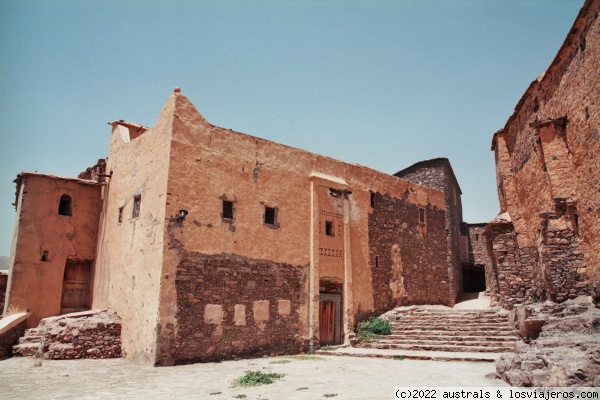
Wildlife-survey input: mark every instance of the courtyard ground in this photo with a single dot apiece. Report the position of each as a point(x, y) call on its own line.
point(306, 377)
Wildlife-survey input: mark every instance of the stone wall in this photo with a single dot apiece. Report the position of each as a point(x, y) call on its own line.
point(438, 174)
point(548, 166)
point(513, 270)
point(82, 335)
point(564, 268)
point(232, 306)
point(407, 259)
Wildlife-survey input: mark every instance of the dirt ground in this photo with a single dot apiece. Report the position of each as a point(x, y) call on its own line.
point(306, 377)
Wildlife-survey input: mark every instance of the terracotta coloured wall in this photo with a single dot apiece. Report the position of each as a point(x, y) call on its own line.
point(548, 159)
point(130, 252)
point(210, 164)
point(35, 279)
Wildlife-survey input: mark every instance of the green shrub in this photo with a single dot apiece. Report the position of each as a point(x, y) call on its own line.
point(257, 378)
point(367, 330)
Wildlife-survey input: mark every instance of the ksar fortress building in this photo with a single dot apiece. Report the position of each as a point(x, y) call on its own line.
point(210, 244)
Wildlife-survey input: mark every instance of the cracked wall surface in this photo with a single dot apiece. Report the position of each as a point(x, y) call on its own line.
point(44, 240)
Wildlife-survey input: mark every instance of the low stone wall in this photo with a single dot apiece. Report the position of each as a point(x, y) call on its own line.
point(91, 335)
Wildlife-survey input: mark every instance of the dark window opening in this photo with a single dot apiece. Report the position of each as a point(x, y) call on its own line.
point(121, 214)
point(45, 256)
point(270, 216)
point(372, 199)
point(329, 228)
point(421, 215)
point(227, 209)
point(576, 220)
point(64, 207)
point(137, 203)
point(376, 262)
point(477, 237)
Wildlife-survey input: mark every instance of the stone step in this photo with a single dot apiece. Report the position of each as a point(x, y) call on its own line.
point(35, 332)
point(450, 328)
point(449, 311)
point(26, 349)
point(411, 355)
point(448, 321)
point(421, 332)
point(30, 339)
point(440, 347)
point(458, 338)
point(474, 343)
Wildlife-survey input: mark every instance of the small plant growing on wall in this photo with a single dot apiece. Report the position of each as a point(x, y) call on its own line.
point(368, 330)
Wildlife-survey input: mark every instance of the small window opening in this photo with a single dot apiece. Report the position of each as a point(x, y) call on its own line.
point(270, 216)
point(137, 203)
point(64, 207)
point(376, 261)
point(121, 214)
point(477, 237)
point(372, 199)
point(329, 228)
point(45, 256)
point(421, 215)
point(227, 209)
point(576, 220)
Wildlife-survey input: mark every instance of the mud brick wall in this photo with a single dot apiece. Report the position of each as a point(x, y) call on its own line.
point(421, 262)
point(230, 306)
point(566, 269)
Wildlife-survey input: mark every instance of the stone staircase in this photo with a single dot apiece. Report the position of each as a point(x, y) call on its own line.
point(31, 343)
point(448, 330)
point(439, 333)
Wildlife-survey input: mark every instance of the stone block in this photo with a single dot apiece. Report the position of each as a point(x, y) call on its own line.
point(284, 307)
point(239, 314)
point(213, 314)
point(260, 310)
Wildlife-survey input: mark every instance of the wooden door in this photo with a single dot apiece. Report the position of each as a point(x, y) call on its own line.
point(327, 321)
point(76, 287)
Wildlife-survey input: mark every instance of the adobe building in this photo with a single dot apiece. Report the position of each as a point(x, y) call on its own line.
point(210, 243)
point(545, 243)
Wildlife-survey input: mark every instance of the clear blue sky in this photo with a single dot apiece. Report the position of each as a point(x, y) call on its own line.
point(380, 83)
